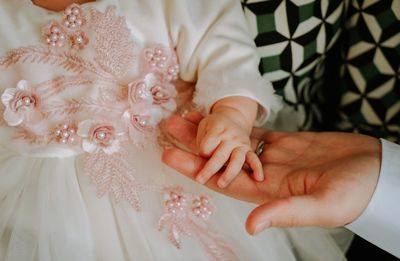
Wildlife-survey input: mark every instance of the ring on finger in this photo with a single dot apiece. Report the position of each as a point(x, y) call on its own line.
point(260, 147)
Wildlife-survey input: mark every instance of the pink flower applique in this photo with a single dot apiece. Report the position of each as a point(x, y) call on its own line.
point(21, 104)
point(152, 90)
point(73, 17)
point(55, 35)
point(188, 216)
point(100, 136)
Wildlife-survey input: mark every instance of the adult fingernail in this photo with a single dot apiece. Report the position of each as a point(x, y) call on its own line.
point(261, 226)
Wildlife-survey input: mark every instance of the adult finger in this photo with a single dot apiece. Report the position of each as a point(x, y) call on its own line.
point(184, 162)
point(182, 130)
point(289, 212)
point(273, 136)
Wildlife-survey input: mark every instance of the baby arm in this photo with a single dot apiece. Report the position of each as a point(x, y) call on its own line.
point(224, 137)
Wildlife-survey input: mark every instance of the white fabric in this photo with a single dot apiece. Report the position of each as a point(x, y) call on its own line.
point(380, 221)
point(49, 210)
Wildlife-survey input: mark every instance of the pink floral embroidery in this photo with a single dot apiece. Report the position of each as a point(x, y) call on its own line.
point(100, 136)
point(55, 35)
point(65, 133)
point(156, 57)
point(181, 219)
point(73, 17)
point(21, 104)
point(152, 90)
point(79, 40)
point(173, 72)
point(202, 207)
point(112, 174)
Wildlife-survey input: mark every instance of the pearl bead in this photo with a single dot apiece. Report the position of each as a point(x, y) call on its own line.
point(79, 39)
point(78, 22)
point(63, 141)
point(102, 135)
point(71, 18)
point(58, 132)
point(72, 131)
point(54, 29)
point(75, 10)
point(66, 23)
point(54, 37)
point(27, 100)
point(68, 10)
point(65, 134)
point(71, 139)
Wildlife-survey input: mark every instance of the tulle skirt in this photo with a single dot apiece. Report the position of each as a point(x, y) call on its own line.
point(50, 210)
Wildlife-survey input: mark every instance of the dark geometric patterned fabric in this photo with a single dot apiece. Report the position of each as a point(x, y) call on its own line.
point(370, 82)
point(304, 44)
point(337, 63)
point(293, 38)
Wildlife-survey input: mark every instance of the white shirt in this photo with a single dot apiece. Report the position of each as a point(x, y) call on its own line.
point(380, 221)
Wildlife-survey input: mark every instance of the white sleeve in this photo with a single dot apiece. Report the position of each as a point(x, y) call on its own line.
point(216, 51)
point(380, 221)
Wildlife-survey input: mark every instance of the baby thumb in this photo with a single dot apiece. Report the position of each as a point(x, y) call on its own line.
point(289, 212)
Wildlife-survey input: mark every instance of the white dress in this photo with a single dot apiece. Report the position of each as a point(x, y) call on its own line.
point(82, 94)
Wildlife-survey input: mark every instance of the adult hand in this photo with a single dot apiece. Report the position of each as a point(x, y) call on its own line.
point(311, 179)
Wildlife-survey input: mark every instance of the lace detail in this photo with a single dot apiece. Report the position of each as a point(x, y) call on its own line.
point(114, 48)
point(122, 109)
point(187, 216)
point(112, 174)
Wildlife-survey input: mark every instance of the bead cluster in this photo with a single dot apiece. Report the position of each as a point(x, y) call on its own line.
point(58, 33)
point(172, 72)
point(175, 203)
point(79, 40)
point(56, 36)
point(202, 207)
point(65, 133)
point(73, 17)
point(156, 57)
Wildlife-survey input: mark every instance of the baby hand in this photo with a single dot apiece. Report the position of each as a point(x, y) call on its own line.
point(224, 137)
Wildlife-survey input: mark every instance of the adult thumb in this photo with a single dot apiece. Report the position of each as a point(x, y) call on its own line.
point(289, 212)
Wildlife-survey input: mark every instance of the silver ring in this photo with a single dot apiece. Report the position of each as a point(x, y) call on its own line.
point(260, 148)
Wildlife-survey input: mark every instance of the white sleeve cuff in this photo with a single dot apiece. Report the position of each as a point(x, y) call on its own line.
point(380, 221)
point(254, 87)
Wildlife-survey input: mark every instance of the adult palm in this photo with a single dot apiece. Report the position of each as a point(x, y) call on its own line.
point(312, 179)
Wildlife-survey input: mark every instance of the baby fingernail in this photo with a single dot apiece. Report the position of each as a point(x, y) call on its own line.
point(221, 184)
point(200, 180)
point(261, 226)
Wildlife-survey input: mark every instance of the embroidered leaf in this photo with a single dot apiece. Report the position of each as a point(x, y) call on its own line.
point(45, 55)
point(112, 174)
point(74, 106)
point(113, 45)
point(31, 137)
point(213, 244)
point(59, 84)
